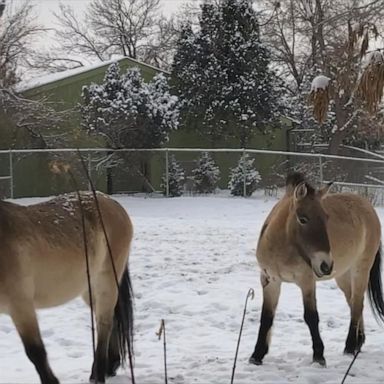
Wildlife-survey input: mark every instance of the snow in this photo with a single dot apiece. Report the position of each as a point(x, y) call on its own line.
point(320, 82)
point(52, 77)
point(192, 263)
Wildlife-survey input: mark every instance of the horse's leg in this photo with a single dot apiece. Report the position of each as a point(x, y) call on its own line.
point(344, 283)
point(106, 294)
point(113, 348)
point(311, 317)
point(359, 284)
point(271, 293)
point(24, 317)
point(114, 359)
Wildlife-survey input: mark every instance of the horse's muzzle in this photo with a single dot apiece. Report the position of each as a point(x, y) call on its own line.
point(326, 268)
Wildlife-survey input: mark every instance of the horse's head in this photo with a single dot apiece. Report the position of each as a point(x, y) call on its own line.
point(307, 224)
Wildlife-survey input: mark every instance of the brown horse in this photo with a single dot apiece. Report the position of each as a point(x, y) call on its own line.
point(311, 235)
point(43, 264)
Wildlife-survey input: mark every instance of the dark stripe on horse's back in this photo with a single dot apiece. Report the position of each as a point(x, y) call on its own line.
point(263, 230)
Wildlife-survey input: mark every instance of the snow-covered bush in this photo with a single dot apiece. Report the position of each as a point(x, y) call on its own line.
point(206, 175)
point(175, 178)
point(129, 112)
point(252, 177)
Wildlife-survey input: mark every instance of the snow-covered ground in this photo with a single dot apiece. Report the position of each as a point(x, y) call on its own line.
point(192, 264)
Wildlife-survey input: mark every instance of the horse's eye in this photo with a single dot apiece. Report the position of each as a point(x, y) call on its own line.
point(302, 219)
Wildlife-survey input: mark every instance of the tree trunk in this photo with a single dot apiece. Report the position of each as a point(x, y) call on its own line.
point(335, 142)
point(109, 181)
point(343, 115)
point(109, 176)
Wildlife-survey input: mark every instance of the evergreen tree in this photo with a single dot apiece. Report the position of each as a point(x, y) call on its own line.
point(175, 178)
point(206, 175)
point(221, 73)
point(244, 168)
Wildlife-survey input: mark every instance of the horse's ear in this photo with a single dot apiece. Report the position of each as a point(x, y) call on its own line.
point(300, 192)
point(324, 190)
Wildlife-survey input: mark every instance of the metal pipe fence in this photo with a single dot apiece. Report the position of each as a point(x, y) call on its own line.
point(25, 171)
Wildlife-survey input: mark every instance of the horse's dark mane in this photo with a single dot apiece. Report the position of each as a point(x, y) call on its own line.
point(296, 178)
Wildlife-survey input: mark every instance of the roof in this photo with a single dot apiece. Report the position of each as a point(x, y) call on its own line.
point(37, 82)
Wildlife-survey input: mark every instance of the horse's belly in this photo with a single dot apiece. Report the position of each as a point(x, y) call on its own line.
point(63, 290)
point(61, 279)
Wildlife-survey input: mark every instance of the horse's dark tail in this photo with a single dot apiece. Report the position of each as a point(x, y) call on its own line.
point(375, 288)
point(121, 343)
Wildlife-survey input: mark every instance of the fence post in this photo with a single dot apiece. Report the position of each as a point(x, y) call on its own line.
point(166, 173)
point(90, 170)
point(11, 173)
point(245, 175)
point(321, 169)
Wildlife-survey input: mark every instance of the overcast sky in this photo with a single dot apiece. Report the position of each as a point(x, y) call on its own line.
point(45, 7)
point(45, 18)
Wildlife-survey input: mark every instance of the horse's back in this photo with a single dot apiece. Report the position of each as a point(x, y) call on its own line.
point(119, 228)
point(45, 251)
point(351, 212)
point(354, 229)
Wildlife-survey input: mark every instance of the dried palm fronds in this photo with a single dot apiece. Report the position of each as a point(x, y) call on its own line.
point(371, 82)
point(319, 97)
point(364, 45)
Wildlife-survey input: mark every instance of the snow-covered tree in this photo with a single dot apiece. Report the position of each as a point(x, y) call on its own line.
point(244, 169)
point(222, 74)
point(128, 112)
point(175, 178)
point(206, 175)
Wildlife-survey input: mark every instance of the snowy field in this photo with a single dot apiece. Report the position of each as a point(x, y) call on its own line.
point(192, 263)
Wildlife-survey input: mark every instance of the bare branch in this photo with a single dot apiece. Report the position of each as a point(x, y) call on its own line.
point(17, 31)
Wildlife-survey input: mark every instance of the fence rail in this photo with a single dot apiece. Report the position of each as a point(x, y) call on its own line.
point(347, 171)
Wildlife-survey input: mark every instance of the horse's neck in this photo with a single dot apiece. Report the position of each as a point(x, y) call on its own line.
point(278, 217)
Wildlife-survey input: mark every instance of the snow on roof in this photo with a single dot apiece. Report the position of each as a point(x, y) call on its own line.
point(320, 82)
point(53, 77)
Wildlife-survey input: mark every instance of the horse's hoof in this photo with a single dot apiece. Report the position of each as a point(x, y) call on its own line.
point(92, 379)
point(113, 367)
point(52, 380)
point(349, 351)
point(255, 361)
point(320, 360)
